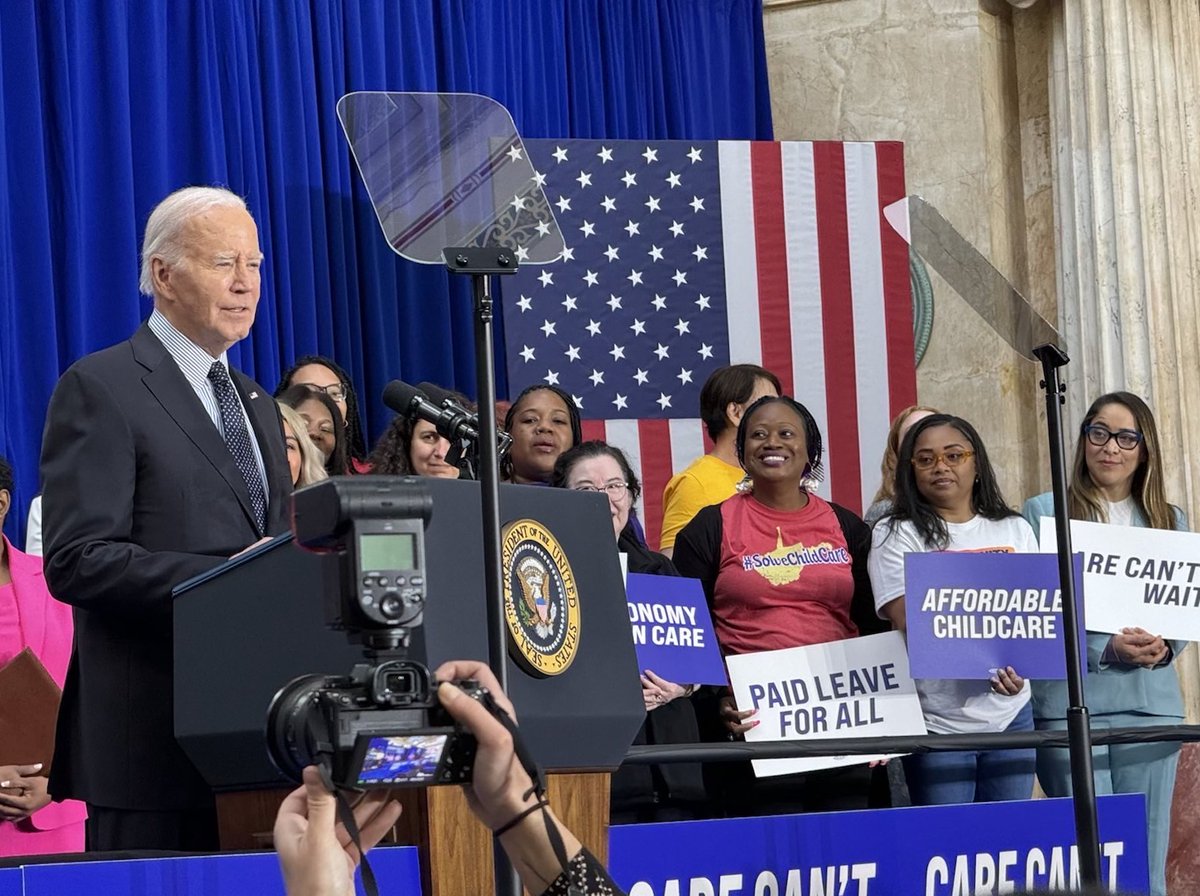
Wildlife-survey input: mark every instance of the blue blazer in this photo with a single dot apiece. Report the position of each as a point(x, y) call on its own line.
point(1116, 687)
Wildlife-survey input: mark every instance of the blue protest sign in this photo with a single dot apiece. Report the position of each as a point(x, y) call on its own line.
point(935, 850)
point(672, 631)
point(969, 614)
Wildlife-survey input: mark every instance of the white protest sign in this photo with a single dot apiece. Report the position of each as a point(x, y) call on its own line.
point(1136, 577)
point(859, 687)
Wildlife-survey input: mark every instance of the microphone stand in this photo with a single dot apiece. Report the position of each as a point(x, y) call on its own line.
point(481, 265)
point(1079, 732)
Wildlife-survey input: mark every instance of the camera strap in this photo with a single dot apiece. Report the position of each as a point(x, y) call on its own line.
point(538, 788)
point(346, 814)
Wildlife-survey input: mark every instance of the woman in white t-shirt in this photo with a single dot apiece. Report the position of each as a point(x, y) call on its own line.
point(947, 499)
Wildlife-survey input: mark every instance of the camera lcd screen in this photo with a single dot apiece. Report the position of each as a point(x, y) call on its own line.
point(394, 550)
point(401, 759)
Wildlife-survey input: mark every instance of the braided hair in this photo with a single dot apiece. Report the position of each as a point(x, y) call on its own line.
point(356, 442)
point(506, 466)
point(814, 470)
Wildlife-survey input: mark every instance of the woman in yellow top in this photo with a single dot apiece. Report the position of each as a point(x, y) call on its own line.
point(714, 477)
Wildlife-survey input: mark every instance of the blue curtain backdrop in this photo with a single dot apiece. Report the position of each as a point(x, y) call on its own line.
point(108, 105)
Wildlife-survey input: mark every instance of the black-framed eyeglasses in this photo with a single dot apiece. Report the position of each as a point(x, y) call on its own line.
point(1100, 435)
point(928, 460)
point(336, 391)
point(614, 490)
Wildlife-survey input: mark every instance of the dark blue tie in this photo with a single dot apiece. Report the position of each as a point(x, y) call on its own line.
point(237, 438)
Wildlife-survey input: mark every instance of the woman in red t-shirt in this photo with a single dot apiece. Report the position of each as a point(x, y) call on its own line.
point(781, 567)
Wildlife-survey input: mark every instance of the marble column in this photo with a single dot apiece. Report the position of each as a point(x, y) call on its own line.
point(1124, 82)
point(1124, 78)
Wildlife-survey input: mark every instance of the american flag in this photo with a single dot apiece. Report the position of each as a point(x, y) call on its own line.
point(686, 256)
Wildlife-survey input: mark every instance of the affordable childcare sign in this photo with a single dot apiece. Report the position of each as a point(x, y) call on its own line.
point(969, 614)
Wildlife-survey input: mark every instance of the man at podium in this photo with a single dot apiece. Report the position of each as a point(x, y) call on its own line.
point(158, 463)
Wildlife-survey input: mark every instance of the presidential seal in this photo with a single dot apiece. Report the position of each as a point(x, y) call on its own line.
point(541, 601)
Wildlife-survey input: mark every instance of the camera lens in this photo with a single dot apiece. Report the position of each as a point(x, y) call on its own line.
point(291, 717)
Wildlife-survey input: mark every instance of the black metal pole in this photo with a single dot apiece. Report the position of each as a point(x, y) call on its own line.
point(481, 264)
point(489, 475)
point(1079, 732)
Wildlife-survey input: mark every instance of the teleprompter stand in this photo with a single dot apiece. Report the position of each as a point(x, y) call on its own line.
point(1011, 316)
point(481, 265)
point(451, 184)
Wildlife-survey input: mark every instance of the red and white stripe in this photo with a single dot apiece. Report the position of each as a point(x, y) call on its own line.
point(817, 291)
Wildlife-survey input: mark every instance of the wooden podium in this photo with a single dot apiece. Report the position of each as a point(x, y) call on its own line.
point(247, 628)
point(455, 849)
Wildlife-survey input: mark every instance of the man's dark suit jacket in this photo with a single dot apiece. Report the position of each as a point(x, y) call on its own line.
point(141, 493)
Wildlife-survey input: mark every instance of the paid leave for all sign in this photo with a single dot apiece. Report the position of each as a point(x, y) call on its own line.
point(859, 687)
point(1136, 577)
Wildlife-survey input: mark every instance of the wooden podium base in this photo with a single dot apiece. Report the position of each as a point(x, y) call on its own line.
point(455, 849)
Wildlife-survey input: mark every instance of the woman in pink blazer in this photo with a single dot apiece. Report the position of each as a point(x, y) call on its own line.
point(30, 824)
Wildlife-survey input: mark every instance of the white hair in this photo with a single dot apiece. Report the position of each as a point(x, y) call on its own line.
point(166, 222)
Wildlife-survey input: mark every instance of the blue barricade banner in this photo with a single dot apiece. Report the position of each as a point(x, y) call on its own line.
point(967, 850)
point(672, 630)
point(12, 882)
point(397, 870)
point(969, 614)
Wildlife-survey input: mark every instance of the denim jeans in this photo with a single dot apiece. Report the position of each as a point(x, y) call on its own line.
point(973, 776)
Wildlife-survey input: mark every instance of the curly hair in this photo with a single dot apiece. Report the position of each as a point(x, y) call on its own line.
point(356, 445)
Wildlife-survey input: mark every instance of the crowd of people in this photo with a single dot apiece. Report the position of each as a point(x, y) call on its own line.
point(163, 423)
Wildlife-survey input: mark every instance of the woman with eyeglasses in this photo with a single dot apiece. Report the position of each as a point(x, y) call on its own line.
point(325, 375)
point(640, 793)
point(746, 553)
point(946, 499)
point(1117, 478)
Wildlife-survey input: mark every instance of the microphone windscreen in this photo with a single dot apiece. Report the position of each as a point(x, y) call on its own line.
point(399, 396)
point(437, 394)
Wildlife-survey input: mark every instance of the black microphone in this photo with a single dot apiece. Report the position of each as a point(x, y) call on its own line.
point(449, 401)
point(445, 398)
point(453, 423)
